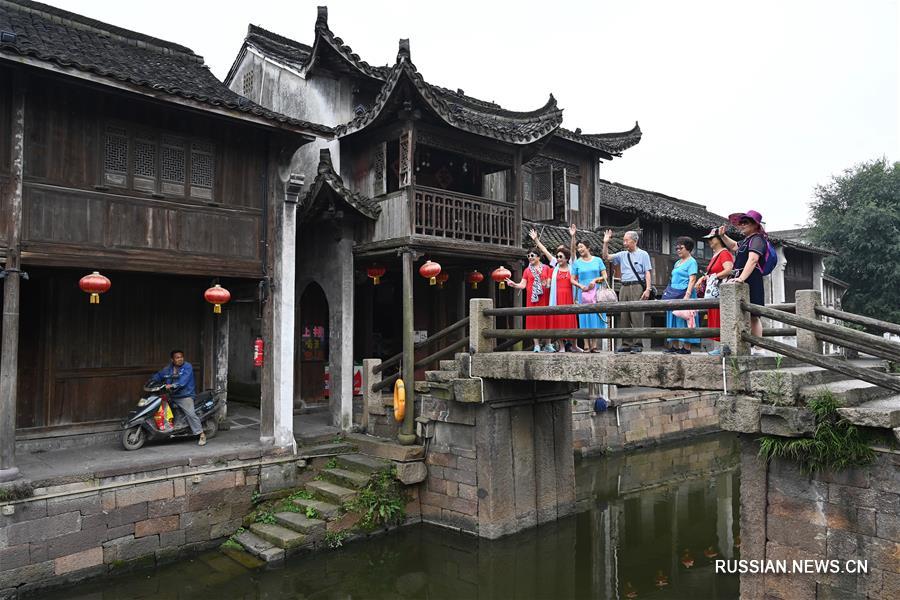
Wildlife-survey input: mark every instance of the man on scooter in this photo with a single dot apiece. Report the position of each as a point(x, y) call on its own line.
point(179, 379)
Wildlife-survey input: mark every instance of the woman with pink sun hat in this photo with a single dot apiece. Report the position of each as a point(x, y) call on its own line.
point(748, 257)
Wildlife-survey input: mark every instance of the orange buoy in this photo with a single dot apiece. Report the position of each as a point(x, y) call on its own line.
point(399, 400)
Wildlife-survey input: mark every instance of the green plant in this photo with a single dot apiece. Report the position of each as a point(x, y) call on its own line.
point(836, 443)
point(382, 501)
point(231, 543)
point(335, 539)
point(254, 497)
point(265, 517)
point(332, 463)
point(311, 513)
point(300, 494)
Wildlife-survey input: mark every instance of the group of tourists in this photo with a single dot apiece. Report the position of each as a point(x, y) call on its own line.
point(585, 280)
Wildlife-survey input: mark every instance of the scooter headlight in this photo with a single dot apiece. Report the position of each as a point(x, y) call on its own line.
point(143, 401)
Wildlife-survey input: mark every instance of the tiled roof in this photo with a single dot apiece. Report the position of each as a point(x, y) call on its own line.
point(656, 206)
point(328, 178)
point(70, 40)
point(458, 110)
point(611, 143)
point(554, 235)
point(288, 51)
point(326, 37)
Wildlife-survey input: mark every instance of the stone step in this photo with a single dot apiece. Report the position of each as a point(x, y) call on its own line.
point(300, 523)
point(345, 478)
point(244, 558)
point(783, 386)
point(441, 376)
point(362, 463)
point(330, 492)
point(449, 365)
point(384, 448)
point(848, 392)
point(315, 438)
point(325, 449)
point(884, 412)
point(259, 547)
point(326, 510)
point(279, 536)
point(439, 389)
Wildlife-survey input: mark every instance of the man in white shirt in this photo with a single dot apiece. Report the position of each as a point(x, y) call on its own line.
point(635, 266)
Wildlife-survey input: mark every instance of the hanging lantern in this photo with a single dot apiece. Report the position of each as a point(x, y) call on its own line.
point(375, 273)
point(94, 284)
point(500, 275)
point(442, 279)
point(430, 270)
point(217, 296)
point(474, 278)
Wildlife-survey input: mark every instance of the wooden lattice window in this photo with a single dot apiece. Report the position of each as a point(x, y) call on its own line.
point(115, 157)
point(405, 159)
point(379, 167)
point(173, 166)
point(144, 165)
point(247, 84)
point(538, 193)
point(202, 175)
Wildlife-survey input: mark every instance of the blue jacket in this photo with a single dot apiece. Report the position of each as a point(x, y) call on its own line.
point(182, 383)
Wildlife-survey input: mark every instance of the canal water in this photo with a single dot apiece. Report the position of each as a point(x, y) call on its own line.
point(650, 524)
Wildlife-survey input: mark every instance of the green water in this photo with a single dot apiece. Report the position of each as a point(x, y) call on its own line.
point(646, 522)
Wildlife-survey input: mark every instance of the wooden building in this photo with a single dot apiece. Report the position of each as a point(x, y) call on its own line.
point(122, 153)
point(443, 176)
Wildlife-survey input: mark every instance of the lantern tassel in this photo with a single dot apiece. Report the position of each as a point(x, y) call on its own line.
point(217, 309)
point(502, 285)
point(432, 281)
point(376, 281)
point(474, 285)
point(95, 298)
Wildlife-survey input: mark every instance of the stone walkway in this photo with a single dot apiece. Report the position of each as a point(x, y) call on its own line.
point(57, 467)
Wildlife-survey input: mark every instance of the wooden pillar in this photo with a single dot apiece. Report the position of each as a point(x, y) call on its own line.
point(806, 302)
point(220, 379)
point(407, 434)
point(9, 346)
point(734, 321)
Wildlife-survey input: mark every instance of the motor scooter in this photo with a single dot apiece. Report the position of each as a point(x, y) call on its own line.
point(141, 424)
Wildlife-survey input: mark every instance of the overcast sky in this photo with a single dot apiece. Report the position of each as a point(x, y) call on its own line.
point(743, 104)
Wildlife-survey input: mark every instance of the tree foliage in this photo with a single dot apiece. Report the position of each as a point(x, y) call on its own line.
point(857, 214)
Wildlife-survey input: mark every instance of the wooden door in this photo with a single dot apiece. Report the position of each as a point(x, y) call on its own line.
point(312, 334)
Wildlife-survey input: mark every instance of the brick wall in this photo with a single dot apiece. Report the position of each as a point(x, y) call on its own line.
point(851, 515)
point(642, 422)
point(71, 531)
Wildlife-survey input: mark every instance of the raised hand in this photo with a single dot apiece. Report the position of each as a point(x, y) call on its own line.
point(721, 230)
point(533, 234)
point(607, 235)
point(572, 229)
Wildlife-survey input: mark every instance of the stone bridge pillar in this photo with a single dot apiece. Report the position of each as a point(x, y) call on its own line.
point(500, 458)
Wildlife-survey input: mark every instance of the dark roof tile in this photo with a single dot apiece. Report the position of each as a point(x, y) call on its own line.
point(328, 178)
point(656, 206)
point(67, 39)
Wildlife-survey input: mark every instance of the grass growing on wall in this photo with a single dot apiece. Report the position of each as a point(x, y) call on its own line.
point(835, 445)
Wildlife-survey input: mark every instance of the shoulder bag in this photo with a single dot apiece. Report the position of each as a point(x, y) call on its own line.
point(654, 294)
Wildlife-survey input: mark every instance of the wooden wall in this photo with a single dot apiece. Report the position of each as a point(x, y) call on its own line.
point(69, 207)
point(81, 363)
point(5, 148)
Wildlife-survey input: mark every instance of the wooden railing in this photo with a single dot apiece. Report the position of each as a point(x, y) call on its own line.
point(458, 216)
point(802, 320)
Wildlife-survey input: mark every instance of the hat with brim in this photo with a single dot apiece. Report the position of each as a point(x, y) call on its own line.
point(753, 215)
point(713, 233)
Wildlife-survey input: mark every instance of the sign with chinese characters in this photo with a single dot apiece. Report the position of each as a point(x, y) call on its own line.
point(313, 343)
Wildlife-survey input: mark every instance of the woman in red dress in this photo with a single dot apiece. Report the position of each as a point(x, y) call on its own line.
point(560, 291)
point(536, 283)
point(719, 269)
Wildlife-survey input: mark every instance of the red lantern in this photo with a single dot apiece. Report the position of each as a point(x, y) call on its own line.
point(500, 275)
point(442, 279)
point(475, 278)
point(259, 348)
point(430, 270)
point(375, 273)
point(217, 296)
point(94, 284)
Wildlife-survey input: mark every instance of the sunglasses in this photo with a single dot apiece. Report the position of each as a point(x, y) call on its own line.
point(679, 247)
point(532, 255)
point(560, 255)
point(746, 222)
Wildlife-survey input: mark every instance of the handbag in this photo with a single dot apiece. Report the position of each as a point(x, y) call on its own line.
point(606, 294)
point(589, 296)
point(654, 294)
point(688, 315)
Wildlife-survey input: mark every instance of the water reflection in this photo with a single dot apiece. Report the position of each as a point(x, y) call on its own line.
point(650, 525)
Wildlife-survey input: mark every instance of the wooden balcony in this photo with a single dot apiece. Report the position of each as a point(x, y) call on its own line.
point(457, 216)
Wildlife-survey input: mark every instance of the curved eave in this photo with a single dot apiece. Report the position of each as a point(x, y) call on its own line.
point(328, 179)
point(325, 38)
point(611, 143)
point(539, 123)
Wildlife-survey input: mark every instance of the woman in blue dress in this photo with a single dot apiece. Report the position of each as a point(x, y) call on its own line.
point(684, 278)
point(588, 273)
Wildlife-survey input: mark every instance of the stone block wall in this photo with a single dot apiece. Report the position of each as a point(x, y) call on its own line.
point(501, 466)
point(850, 515)
point(115, 521)
point(642, 422)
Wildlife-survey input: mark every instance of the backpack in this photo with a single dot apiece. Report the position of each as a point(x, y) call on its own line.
point(768, 262)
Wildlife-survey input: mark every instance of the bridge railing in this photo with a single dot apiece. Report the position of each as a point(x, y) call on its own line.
point(801, 319)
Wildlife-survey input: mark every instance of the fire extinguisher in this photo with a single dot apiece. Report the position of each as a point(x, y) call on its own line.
point(258, 349)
